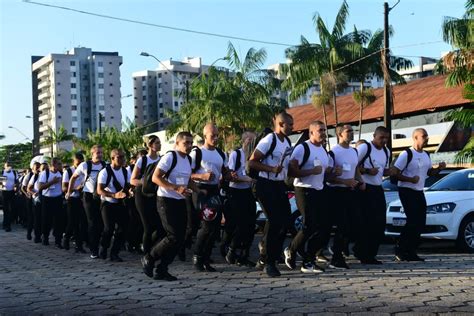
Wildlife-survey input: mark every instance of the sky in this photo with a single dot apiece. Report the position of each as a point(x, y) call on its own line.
point(27, 29)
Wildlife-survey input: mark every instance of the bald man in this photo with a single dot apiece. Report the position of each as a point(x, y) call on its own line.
point(209, 164)
point(270, 159)
point(413, 167)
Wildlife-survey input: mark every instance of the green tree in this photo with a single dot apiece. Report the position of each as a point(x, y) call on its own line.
point(19, 155)
point(55, 138)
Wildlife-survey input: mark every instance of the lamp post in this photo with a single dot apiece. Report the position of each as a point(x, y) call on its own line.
point(26, 137)
point(187, 83)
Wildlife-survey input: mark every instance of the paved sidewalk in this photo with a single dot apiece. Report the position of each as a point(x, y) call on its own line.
point(38, 279)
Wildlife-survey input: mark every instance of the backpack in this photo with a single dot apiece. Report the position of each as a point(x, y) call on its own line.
point(394, 179)
point(254, 173)
point(369, 151)
point(69, 172)
point(149, 188)
point(111, 177)
point(198, 151)
point(89, 170)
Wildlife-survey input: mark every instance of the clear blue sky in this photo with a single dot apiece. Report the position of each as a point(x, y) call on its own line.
point(28, 29)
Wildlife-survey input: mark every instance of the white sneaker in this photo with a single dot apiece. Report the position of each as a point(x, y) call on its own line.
point(290, 260)
point(309, 267)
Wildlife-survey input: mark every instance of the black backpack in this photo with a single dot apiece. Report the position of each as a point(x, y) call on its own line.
point(254, 173)
point(89, 170)
point(149, 188)
point(198, 151)
point(369, 151)
point(394, 179)
point(111, 177)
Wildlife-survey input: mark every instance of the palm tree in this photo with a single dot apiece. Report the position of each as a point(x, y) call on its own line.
point(55, 138)
point(371, 64)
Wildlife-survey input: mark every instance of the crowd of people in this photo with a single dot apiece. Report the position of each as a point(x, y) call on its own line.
point(162, 205)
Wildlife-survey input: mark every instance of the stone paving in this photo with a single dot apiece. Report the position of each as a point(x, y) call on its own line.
point(37, 279)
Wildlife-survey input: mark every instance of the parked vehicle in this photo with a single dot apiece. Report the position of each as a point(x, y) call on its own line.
point(296, 218)
point(450, 211)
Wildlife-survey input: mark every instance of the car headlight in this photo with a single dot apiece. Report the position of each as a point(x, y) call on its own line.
point(440, 208)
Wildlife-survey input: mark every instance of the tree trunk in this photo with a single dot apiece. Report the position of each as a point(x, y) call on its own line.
point(326, 123)
point(335, 114)
point(361, 106)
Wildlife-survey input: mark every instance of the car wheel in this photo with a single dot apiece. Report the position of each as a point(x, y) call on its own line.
point(296, 223)
point(465, 240)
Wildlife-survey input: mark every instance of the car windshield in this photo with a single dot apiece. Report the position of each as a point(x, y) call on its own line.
point(456, 181)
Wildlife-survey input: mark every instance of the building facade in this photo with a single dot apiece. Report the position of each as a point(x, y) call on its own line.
point(78, 90)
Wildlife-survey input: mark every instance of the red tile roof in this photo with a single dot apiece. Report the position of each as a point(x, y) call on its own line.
point(415, 97)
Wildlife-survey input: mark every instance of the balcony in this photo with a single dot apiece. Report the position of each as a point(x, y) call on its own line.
point(45, 117)
point(43, 106)
point(44, 73)
point(43, 128)
point(43, 83)
point(44, 95)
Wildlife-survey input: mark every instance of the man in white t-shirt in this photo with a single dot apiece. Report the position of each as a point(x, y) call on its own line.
point(35, 193)
point(240, 214)
point(91, 201)
point(270, 159)
point(173, 177)
point(309, 163)
point(374, 164)
point(8, 191)
point(344, 190)
point(76, 216)
point(413, 167)
point(35, 166)
point(52, 204)
point(209, 165)
point(113, 184)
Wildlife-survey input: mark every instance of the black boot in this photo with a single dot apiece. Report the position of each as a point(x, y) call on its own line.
point(182, 254)
point(244, 261)
point(231, 256)
point(103, 253)
point(197, 263)
point(148, 263)
point(66, 245)
point(161, 273)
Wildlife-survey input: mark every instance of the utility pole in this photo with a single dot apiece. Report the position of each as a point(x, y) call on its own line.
point(100, 125)
point(387, 118)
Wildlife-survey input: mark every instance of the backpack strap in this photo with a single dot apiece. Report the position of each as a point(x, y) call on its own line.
point(222, 154)
point(387, 155)
point(144, 164)
point(333, 156)
point(409, 157)
point(174, 161)
point(47, 175)
point(69, 172)
point(109, 171)
point(238, 157)
point(367, 155)
point(89, 168)
point(272, 147)
point(198, 159)
point(35, 178)
point(305, 154)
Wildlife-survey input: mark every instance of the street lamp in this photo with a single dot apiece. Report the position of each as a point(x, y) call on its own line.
point(187, 83)
point(26, 137)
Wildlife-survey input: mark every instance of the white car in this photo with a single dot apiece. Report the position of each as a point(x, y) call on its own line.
point(450, 211)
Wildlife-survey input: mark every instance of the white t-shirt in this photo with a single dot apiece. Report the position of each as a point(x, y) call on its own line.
point(240, 172)
point(347, 159)
point(26, 179)
point(280, 156)
point(149, 161)
point(36, 185)
point(91, 181)
point(211, 161)
point(77, 184)
point(11, 179)
point(418, 166)
point(102, 179)
point(180, 175)
point(54, 190)
point(317, 157)
point(379, 160)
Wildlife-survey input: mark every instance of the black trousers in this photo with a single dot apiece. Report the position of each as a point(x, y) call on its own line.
point(313, 206)
point(95, 224)
point(209, 230)
point(192, 224)
point(134, 234)
point(414, 204)
point(115, 217)
point(37, 218)
point(274, 200)
point(29, 215)
point(242, 215)
point(53, 217)
point(152, 228)
point(373, 219)
point(76, 221)
point(173, 216)
point(345, 214)
point(8, 208)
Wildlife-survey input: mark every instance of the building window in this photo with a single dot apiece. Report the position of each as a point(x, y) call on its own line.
point(111, 95)
point(144, 98)
point(143, 88)
point(160, 95)
point(100, 75)
point(166, 92)
point(59, 117)
point(74, 107)
point(72, 63)
point(159, 75)
point(59, 94)
point(74, 118)
point(85, 77)
point(101, 86)
point(74, 130)
point(58, 105)
point(58, 61)
point(101, 108)
point(100, 64)
point(58, 72)
point(175, 103)
point(143, 78)
point(86, 120)
point(161, 114)
point(102, 118)
point(110, 74)
point(111, 84)
point(73, 74)
point(166, 82)
point(161, 105)
point(59, 83)
point(110, 63)
point(144, 117)
point(111, 117)
point(73, 96)
point(73, 85)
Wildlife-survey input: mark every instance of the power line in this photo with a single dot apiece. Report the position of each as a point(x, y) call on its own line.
point(157, 25)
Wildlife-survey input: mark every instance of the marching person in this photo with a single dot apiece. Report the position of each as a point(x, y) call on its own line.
point(29, 201)
point(242, 205)
point(344, 190)
point(36, 196)
point(146, 204)
point(49, 183)
point(90, 199)
point(374, 162)
point(413, 167)
point(76, 216)
point(309, 163)
point(8, 191)
point(113, 183)
point(271, 158)
point(173, 177)
point(209, 163)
